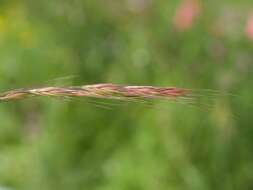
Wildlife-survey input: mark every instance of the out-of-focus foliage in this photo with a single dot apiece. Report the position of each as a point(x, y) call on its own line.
point(76, 144)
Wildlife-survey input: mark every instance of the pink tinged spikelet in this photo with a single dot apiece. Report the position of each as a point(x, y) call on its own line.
point(116, 92)
point(154, 92)
point(106, 91)
point(249, 27)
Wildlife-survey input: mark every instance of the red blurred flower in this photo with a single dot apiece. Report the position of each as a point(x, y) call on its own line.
point(186, 13)
point(249, 27)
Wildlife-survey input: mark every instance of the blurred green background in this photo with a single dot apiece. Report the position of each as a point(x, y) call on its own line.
point(51, 144)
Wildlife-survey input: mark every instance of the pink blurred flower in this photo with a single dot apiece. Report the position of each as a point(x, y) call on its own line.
point(186, 13)
point(249, 27)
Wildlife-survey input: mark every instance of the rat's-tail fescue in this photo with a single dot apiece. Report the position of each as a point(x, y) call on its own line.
point(117, 92)
point(105, 91)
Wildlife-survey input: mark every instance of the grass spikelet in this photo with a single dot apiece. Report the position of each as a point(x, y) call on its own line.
point(105, 91)
point(141, 94)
